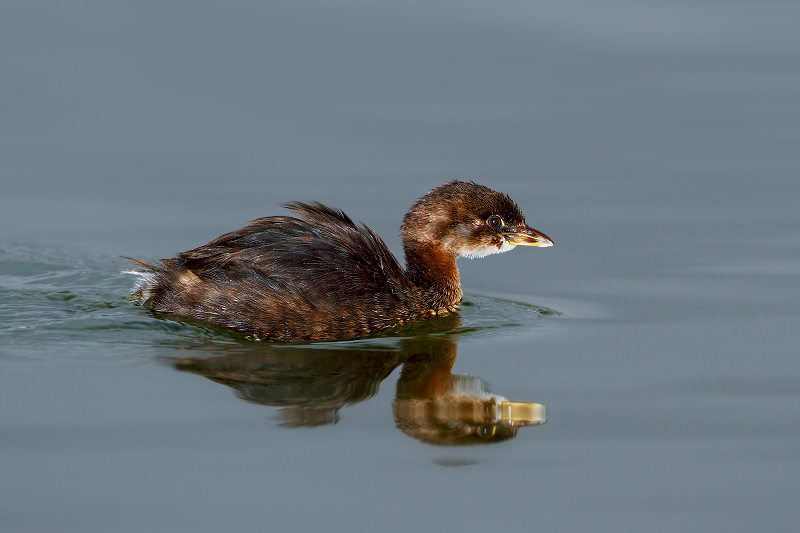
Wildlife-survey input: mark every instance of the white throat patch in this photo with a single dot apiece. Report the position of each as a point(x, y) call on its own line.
point(483, 252)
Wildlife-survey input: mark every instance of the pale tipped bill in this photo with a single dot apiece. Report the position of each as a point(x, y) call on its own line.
point(526, 236)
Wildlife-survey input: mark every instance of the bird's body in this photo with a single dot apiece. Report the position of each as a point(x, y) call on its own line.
point(321, 277)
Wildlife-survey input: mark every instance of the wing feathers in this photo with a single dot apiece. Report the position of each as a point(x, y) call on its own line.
point(279, 271)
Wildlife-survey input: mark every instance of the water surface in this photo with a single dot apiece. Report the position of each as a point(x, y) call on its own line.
point(656, 144)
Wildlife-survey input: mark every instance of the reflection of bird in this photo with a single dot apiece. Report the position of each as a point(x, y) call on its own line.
point(322, 277)
point(311, 384)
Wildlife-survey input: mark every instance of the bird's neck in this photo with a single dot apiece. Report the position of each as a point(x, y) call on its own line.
point(433, 270)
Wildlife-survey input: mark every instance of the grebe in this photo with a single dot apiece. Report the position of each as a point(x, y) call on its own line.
point(321, 277)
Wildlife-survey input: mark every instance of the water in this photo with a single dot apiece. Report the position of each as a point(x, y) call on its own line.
point(655, 143)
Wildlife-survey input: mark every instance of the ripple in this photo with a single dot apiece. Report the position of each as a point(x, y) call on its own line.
point(50, 296)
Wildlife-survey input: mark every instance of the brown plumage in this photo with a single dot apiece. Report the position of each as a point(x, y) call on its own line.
point(323, 277)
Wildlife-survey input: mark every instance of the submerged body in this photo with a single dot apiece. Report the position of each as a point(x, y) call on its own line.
point(322, 277)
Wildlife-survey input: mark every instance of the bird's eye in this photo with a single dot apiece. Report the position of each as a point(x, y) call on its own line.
point(494, 221)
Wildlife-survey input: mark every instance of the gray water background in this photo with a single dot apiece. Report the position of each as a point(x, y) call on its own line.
point(655, 142)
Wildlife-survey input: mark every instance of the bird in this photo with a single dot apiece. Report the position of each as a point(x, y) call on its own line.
point(319, 276)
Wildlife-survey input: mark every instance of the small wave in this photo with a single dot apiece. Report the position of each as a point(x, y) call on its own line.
point(50, 296)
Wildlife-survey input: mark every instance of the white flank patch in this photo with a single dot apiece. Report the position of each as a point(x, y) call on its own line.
point(145, 279)
point(483, 252)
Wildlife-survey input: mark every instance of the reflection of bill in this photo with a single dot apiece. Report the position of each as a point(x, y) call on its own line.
point(311, 384)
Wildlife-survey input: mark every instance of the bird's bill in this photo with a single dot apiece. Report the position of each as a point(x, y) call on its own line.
point(526, 236)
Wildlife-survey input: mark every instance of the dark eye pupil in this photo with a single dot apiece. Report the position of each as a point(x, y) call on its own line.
point(494, 221)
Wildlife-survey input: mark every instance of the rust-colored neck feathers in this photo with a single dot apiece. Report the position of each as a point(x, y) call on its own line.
point(427, 232)
point(433, 270)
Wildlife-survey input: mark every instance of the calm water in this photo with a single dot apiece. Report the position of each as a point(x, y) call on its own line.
point(656, 143)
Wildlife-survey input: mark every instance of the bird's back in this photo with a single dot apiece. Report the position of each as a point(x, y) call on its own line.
point(316, 277)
